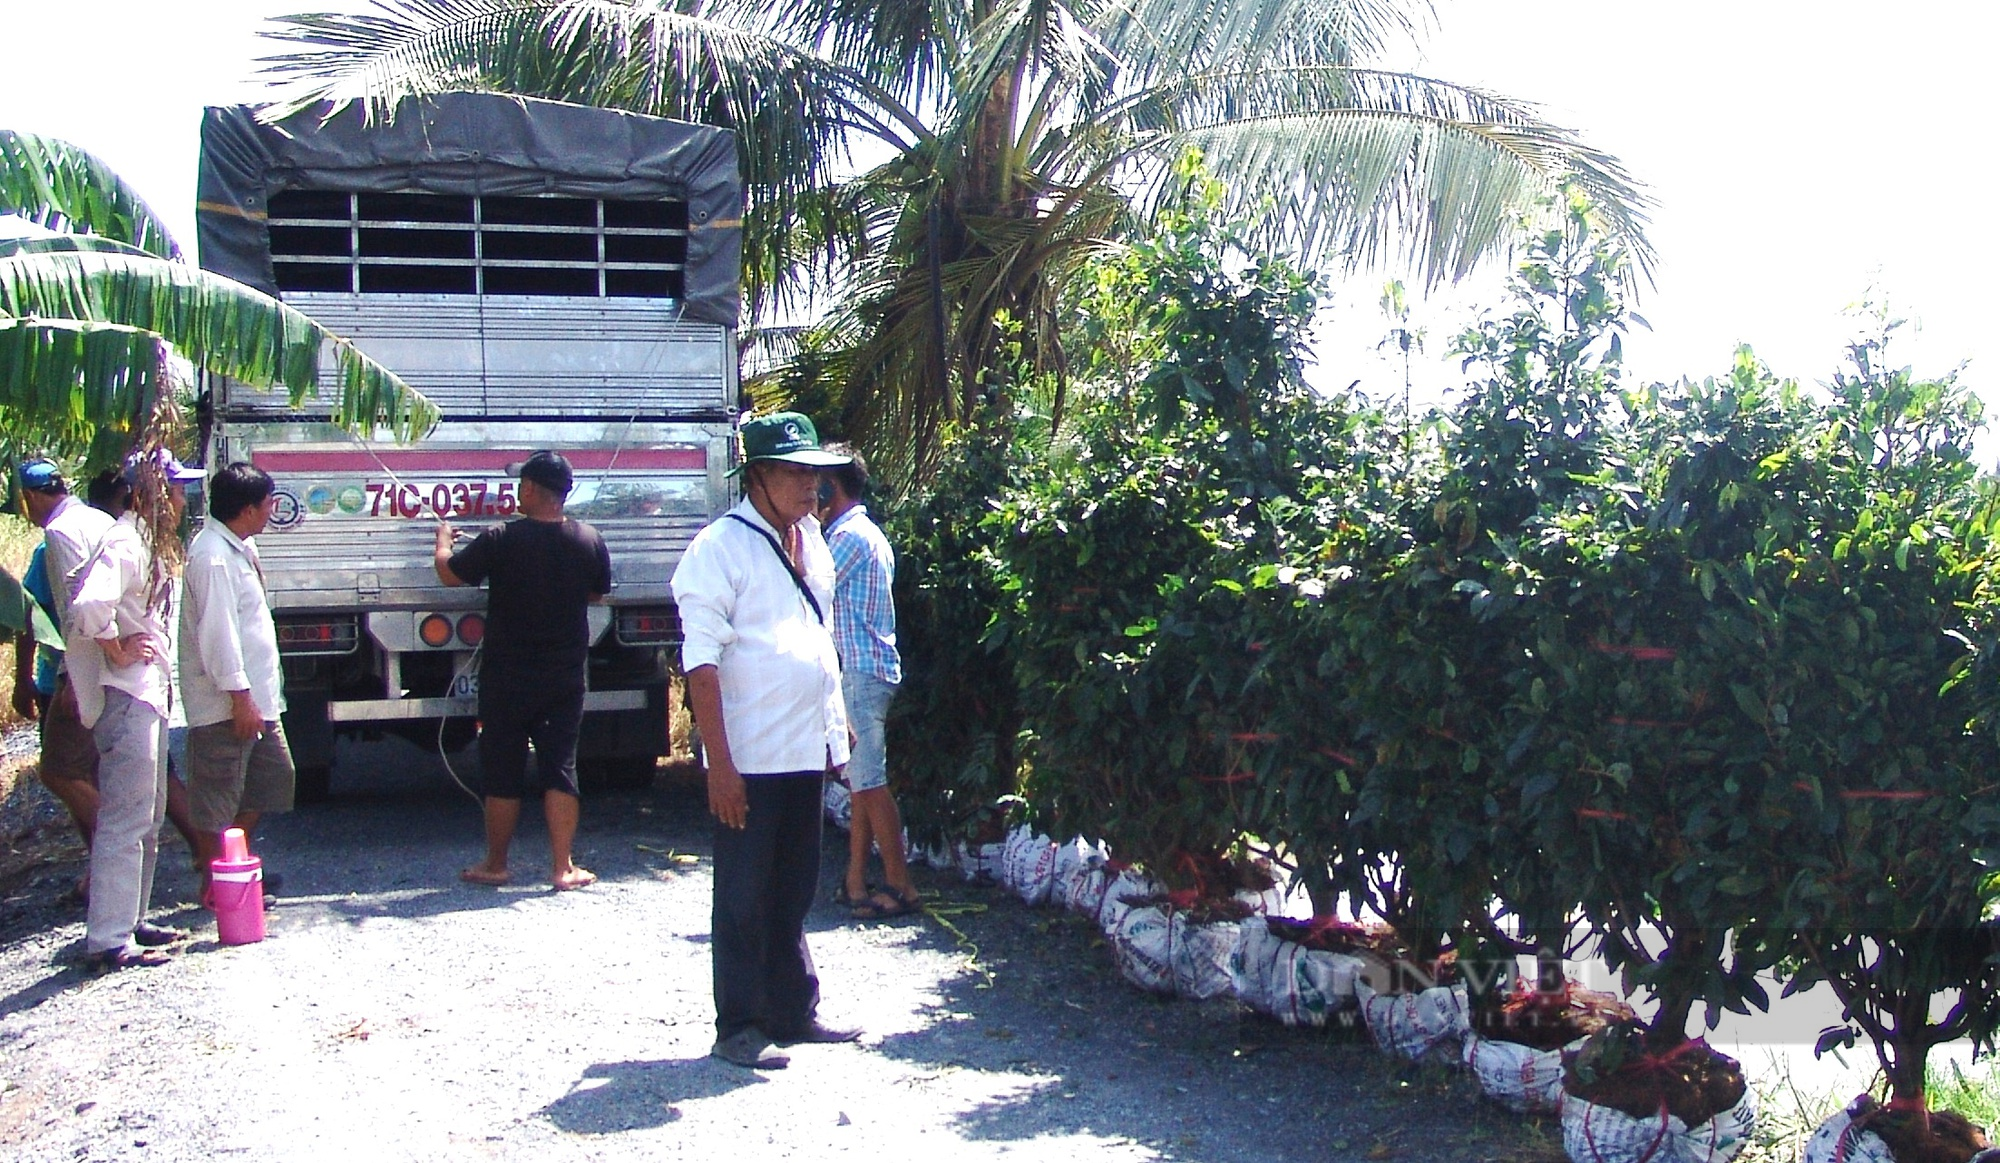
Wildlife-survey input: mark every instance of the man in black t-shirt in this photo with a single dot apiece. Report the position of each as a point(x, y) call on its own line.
point(542, 572)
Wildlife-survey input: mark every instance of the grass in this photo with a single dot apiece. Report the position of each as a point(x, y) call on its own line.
point(1971, 1091)
point(18, 539)
point(1787, 1114)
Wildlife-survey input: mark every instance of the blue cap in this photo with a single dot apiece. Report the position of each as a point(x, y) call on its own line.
point(41, 475)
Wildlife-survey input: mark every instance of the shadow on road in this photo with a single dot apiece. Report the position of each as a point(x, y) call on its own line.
point(29, 996)
point(613, 1097)
point(341, 854)
point(1089, 1056)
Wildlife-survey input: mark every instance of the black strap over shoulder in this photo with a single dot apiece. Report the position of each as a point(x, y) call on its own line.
point(805, 591)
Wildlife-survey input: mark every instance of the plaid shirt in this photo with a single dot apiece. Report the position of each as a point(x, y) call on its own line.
point(864, 612)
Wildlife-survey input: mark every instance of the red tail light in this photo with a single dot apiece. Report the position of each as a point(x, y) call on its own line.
point(434, 630)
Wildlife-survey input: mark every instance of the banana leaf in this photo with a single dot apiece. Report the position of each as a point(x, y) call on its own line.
point(54, 184)
point(97, 375)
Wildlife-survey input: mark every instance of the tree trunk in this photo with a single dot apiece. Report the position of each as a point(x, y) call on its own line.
point(1669, 1027)
point(1905, 1068)
point(984, 189)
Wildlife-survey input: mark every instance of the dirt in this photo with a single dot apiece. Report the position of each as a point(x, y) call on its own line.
point(1332, 936)
point(1694, 1083)
point(1548, 1019)
point(35, 832)
point(1951, 1137)
point(395, 1013)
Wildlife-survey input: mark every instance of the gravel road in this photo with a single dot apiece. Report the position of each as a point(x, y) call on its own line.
point(395, 1013)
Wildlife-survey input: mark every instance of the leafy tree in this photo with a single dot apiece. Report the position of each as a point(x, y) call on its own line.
point(1880, 698)
point(90, 322)
point(954, 730)
point(1147, 657)
point(1646, 790)
point(1000, 145)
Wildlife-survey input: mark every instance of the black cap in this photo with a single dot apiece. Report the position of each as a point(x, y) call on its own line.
point(549, 470)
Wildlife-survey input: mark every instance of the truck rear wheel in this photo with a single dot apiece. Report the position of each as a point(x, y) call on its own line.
point(314, 784)
point(616, 773)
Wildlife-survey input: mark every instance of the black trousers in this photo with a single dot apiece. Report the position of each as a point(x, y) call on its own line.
point(765, 878)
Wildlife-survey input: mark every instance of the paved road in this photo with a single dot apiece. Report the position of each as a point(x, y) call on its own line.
point(397, 1014)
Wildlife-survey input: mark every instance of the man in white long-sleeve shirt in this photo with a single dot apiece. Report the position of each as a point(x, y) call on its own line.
point(239, 765)
point(118, 614)
point(755, 591)
point(71, 530)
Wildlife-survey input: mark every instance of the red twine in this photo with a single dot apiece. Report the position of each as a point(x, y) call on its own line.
point(1638, 653)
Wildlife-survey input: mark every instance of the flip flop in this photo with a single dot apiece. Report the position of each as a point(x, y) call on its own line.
point(580, 878)
point(489, 879)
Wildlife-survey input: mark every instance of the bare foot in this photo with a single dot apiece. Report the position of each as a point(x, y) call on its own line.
point(574, 878)
point(480, 874)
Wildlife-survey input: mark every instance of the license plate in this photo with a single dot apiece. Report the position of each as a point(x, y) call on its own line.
point(466, 686)
point(438, 501)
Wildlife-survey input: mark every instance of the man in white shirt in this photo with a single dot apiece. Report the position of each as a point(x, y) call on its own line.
point(71, 530)
point(239, 765)
point(118, 614)
point(755, 591)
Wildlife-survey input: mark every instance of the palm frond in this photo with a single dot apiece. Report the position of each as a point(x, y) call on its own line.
point(908, 47)
point(217, 323)
point(873, 363)
point(1158, 40)
point(1025, 134)
point(56, 185)
point(1045, 38)
point(1362, 166)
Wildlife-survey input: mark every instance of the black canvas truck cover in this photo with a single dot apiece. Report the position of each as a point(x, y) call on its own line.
point(471, 144)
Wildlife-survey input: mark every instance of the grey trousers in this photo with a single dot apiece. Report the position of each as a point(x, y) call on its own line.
point(132, 789)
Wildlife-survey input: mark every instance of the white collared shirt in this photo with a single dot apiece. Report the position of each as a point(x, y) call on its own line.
point(742, 613)
point(117, 597)
point(228, 641)
point(72, 534)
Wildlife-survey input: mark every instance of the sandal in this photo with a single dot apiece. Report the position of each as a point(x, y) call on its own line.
point(129, 957)
point(841, 898)
point(900, 905)
point(150, 935)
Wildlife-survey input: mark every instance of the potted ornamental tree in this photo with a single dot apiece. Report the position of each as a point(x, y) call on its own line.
point(1883, 698)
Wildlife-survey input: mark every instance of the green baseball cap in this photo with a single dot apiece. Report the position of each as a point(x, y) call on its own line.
point(786, 436)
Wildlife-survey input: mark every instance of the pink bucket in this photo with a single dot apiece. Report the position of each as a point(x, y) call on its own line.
point(236, 892)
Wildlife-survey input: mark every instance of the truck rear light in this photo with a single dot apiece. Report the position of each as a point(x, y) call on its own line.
point(318, 635)
point(434, 630)
point(472, 629)
point(648, 625)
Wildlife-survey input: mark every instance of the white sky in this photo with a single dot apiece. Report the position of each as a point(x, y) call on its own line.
point(1800, 151)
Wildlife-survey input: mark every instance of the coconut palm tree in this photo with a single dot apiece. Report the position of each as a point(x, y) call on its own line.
point(96, 314)
point(944, 165)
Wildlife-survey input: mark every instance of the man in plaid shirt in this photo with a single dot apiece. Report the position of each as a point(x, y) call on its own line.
point(864, 635)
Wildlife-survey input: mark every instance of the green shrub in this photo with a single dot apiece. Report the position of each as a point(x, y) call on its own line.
point(954, 726)
point(1707, 666)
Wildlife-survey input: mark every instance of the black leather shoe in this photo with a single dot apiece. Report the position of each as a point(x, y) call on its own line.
point(818, 1033)
point(750, 1050)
